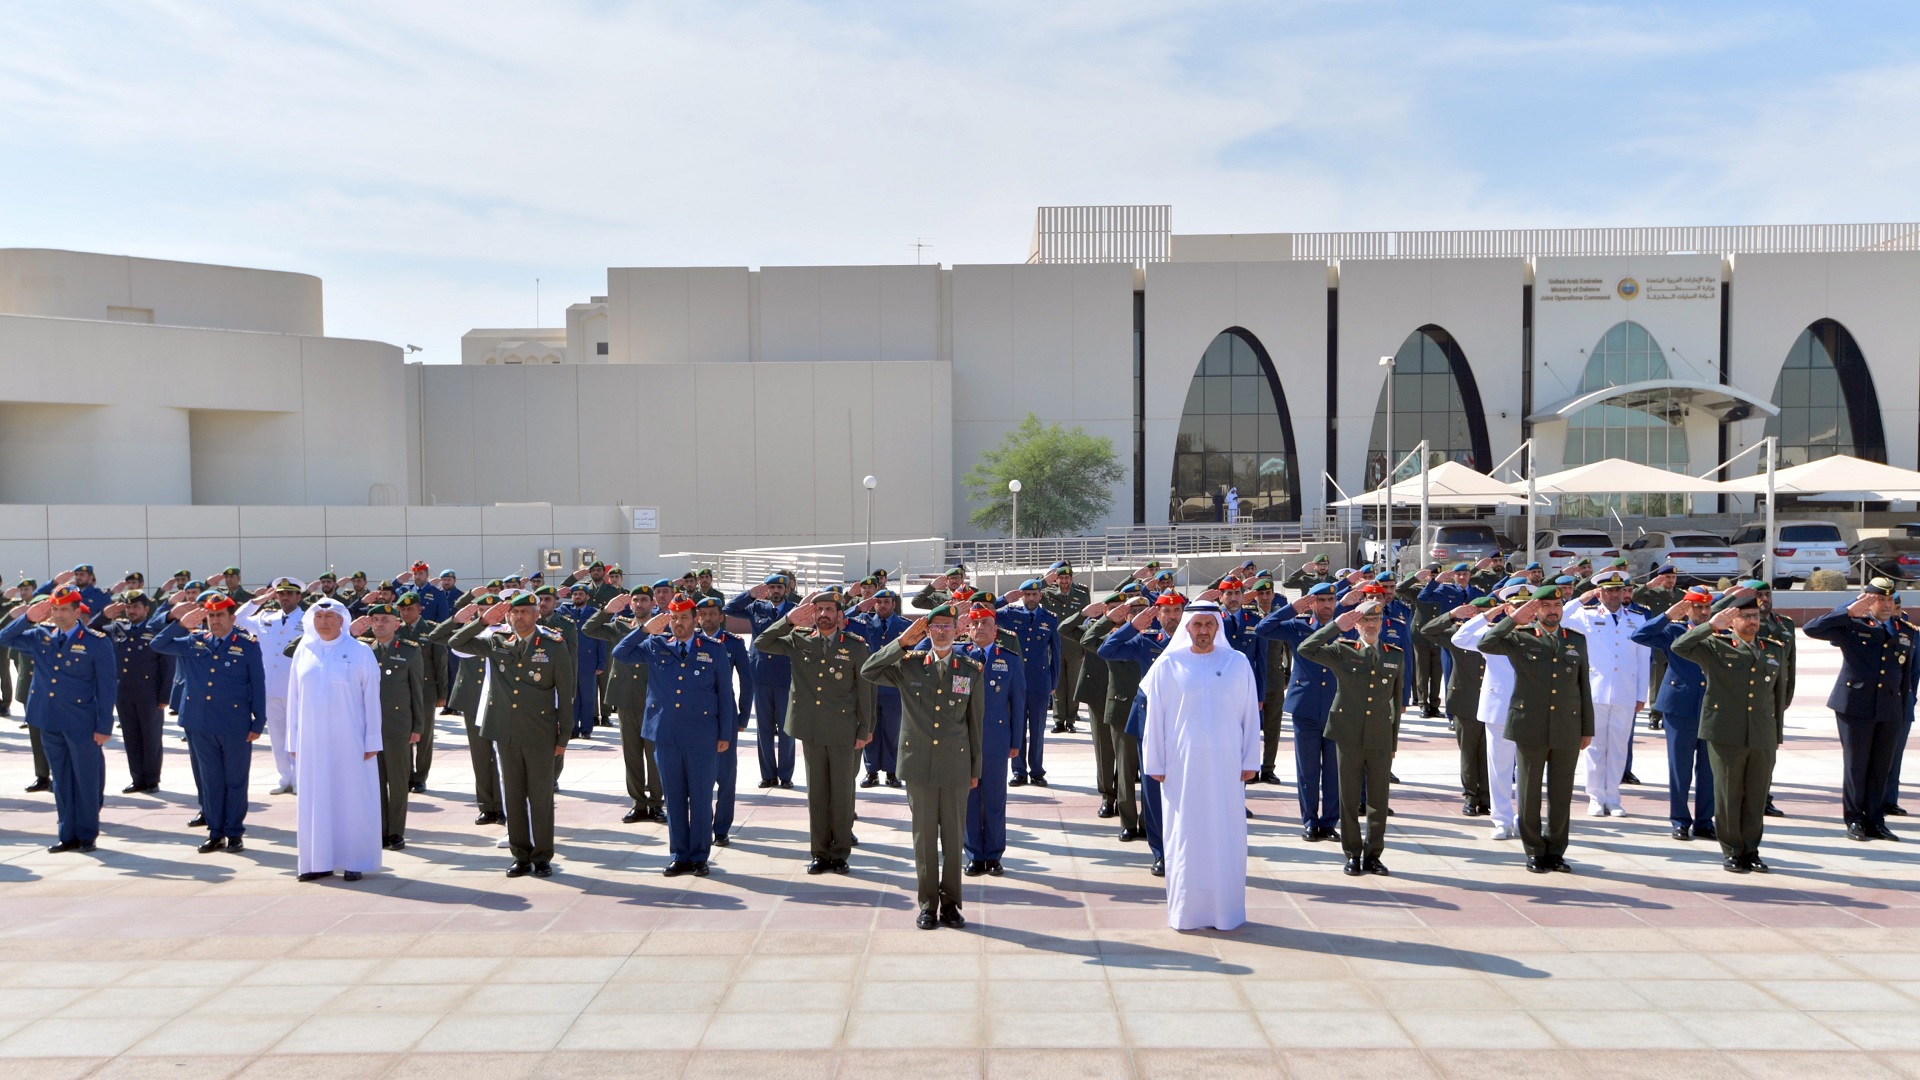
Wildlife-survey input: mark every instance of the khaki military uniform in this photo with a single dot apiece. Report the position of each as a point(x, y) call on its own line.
point(1463, 704)
point(830, 712)
point(1656, 601)
point(1549, 715)
point(528, 715)
point(1364, 724)
point(405, 711)
point(1110, 723)
point(437, 687)
point(1066, 696)
point(942, 712)
point(1743, 720)
point(463, 697)
point(627, 692)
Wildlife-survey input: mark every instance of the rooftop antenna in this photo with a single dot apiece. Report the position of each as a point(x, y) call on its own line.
point(920, 245)
point(536, 301)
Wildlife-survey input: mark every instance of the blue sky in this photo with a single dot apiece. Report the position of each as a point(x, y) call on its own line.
point(429, 160)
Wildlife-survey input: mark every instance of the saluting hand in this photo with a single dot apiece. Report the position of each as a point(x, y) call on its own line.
point(359, 626)
point(193, 616)
point(1347, 620)
point(915, 634)
point(1524, 614)
point(1210, 594)
point(1722, 620)
point(760, 592)
point(39, 610)
point(619, 603)
point(1679, 611)
point(1143, 621)
point(63, 577)
point(1464, 611)
point(657, 624)
point(804, 615)
point(465, 614)
point(1863, 606)
point(114, 610)
point(1093, 611)
point(495, 615)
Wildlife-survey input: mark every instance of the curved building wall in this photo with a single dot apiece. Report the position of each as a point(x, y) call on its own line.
point(121, 288)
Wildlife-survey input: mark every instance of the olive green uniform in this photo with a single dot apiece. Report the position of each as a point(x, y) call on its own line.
point(1273, 706)
point(627, 691)
point(1123, 684)
point(23, 683)
point(1548, 716)
point(830, 712)
point(1364, 724)
point(1655, 601)
point(569, 633)
point(528, 716)
point(1743, 720)
point(1427, 669)
point(1063, 603)
point(405, 711)
point(942, 712)
point(434, 674)
point(1090, 689)
point(1463, 704)
point(1306, 578)
point(463, 697)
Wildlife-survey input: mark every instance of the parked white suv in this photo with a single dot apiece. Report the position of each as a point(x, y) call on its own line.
point(1800, 548)
point(1697, 556)
point(1557, 547)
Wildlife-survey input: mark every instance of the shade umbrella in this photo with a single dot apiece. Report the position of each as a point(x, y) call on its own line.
point(1448, 484)
point(1839, 473)
point(1614, 476)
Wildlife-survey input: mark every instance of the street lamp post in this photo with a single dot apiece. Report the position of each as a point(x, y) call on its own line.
point(869, 483)
point(1386, 499)
point(1013, 534)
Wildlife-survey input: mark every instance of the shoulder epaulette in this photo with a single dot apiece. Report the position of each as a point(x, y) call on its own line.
point(244, 634)
point(95, 633)
point(549, 631)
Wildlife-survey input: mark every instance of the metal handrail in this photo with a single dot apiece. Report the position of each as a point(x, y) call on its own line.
point(1646, 240)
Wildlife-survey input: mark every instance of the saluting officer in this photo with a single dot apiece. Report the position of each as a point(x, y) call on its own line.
point(223, 708)
point(1774, 626)
point(1549, 719)
point(1743, 720)
point(752, 612)
point(830, 714)
point(1682, 687)
point(463, 697)
point(1278, 663)
point(71, 706)
point(691, 721)
point(1468, 670)
point(1001, 687)
point(1364, 724)
point(877, 619)
point(1310, 692)
point(1039, 634)
point(627, 690)
point(941, 589)
point(1317, 571)
point(405, 713)
point(1063, 596)
point(530, 678)
point(130, 625)
point(712, 621)
point(1123, 685)
point(1091, 690)
point(1869, 700)
point(1139, 641)
point(1657, 595)
point(416, 626)
point(940, 752)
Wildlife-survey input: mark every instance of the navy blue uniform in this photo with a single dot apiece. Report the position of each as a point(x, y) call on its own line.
point(93, 596)
point(882, 755)
point(145, 679)
point(728, 776)
point(1682, 687)
point(223, 700)
point(1003, 687)
point(1239, 626)
point(1310, 691)
point(74, 683)
point(1126, 643)
point(1871, 700)
point(1892, 800)
point(1039, 634)
point(591, 660)
point(690, 711)
point(772, 684)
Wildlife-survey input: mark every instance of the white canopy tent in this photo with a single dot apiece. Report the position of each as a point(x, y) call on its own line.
point(1613, 476)
point(1840, 473)
point(1447, 484)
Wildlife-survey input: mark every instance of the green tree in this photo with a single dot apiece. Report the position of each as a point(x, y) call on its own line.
point(1066, 480)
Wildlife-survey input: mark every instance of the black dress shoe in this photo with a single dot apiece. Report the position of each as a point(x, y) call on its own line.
point(1881, 832)
point(1353, 867)
point(520, 869)
point(1373, 865)
point(1774, 811)
point(1706, 832)
point(134, 789)
point(199, 822)
point(1107, 809)
point(951, 918)
point(633, 815)
point(786, 785)
point(927, 921)
point(1734, 864)
point(894, 781)
point(701, 869)
point(1392, 779)
point(1018, 781)
point(42, 784)
point(1468, 808)
point(1560, 866)
point(1536, 865)
point(86, 847)
point(1654, 723)
point(976, 868)
point(148, 789)
point(211, 845)
point(64, 846)
point(417, 788)
point(677, 868)
point(1268, 776)
point(993, 868)
point(234, 844)
point(1895, 811)
point(819, 866)
point(1038, 781)
point(852, 840)
point(1681, 832)
point(399, 844)
point(870, 780)
point(1159, 868)
point(490, 819)
point(1629, 778)
point(840, 867)
point(351, 875)
point(1310, 833)
point(768, 783)
point(315, 875)
point(1128, 836)
point(723, 840)
point(543, 869)
point(1857, 831)
point(1430, 713)
point(1754, 864)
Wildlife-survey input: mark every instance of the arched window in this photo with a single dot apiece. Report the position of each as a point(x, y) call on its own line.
point(1434, 398)
point(1235, 445)
point(1826, 399)
point(1653, 435)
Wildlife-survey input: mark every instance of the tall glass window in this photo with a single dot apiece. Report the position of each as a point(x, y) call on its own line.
point(1826, 399)
point(1653, 435)
point(1434, 398)
point(1234, 453)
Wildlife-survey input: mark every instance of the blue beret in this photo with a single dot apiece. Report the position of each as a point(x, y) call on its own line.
point(1459, 566)
point(1666, 568)
point(774, 579)
point(448, 573)
point(706, 601)
point(1031, 583)
point(663, 583)
point(1533, 566)
point(1322, 589)
point(1061, 565)
point(1563, 579)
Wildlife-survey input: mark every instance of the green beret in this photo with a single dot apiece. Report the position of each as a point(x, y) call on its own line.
point(407, 599)
point(1483, 601)
point(523, 600)
point(380, 609)
point(1546, 592)
point(546, 590)
point(944, 611)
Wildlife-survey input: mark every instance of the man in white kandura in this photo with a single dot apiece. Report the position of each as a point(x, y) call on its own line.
point(1202, 743)
point(333, 729)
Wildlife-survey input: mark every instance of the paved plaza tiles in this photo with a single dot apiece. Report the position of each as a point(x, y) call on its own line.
point(147, 959)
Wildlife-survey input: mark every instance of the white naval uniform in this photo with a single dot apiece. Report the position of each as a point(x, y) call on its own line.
point(276, 630)
point(1496, 690)
point(1617, 671)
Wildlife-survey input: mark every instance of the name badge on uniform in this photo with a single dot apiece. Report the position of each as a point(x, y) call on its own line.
point(962, 684)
